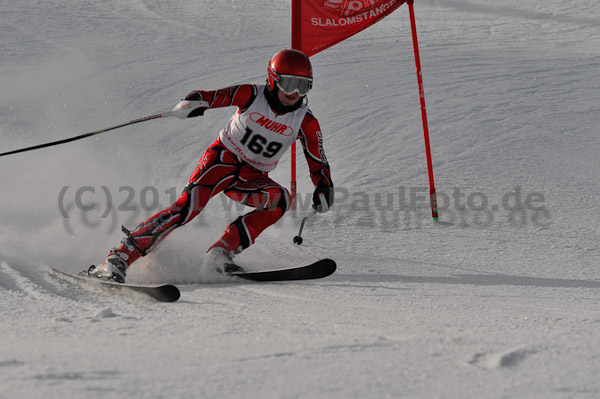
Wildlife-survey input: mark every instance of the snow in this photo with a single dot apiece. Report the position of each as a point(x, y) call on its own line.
point(498, 299)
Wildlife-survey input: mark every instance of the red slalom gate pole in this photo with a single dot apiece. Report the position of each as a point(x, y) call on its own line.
point(432, 195)
point(296, 44)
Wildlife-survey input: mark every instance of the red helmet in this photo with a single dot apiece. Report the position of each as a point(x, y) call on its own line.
point(291, 71)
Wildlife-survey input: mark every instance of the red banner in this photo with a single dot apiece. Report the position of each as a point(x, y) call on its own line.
point(319, 24)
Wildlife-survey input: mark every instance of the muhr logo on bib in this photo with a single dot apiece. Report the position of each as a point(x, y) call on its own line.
point(271, 125)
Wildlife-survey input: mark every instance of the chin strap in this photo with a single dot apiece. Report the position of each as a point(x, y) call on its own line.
point(277, 106)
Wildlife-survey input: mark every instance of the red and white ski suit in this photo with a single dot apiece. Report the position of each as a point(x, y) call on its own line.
point(237, 164)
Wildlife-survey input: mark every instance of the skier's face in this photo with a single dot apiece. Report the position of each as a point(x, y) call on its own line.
point(288, 99)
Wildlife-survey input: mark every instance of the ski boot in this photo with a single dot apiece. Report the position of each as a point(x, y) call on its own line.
point(222, 260)
point(113, 267)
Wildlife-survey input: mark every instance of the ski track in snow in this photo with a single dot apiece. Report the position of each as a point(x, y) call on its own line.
point(511, 358)
point(495, 303)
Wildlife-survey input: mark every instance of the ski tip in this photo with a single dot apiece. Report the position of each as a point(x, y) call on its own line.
point(169, 293)
point(330, 263)
point(161, 293)
point(319, 269)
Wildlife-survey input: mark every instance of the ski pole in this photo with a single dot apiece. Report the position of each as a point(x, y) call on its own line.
point(184, 109)
point(298, 239)
point(82, 136)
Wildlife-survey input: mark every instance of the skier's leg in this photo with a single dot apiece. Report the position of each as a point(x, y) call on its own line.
point(217, 169)
point(271, 201)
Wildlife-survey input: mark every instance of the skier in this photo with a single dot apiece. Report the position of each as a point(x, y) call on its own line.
point(268, 120)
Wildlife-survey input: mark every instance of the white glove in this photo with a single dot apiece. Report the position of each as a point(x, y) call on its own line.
point(189, 109)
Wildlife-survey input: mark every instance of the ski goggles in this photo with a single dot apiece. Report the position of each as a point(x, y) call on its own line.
point(289, 84)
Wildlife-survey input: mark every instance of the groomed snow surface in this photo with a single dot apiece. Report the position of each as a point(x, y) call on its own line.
point(499, 299)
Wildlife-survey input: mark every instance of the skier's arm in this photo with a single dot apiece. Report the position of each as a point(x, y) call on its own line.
point(320, 173)
point(240, 96)
point(195, 103)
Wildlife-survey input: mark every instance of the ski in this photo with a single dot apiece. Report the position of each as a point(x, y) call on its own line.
point(170, 293)
point(162, 293)
point(319, 269)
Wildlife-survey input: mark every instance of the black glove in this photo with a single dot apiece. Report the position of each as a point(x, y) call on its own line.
point(323, 192)
point(198, 102)
point(194, 96)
